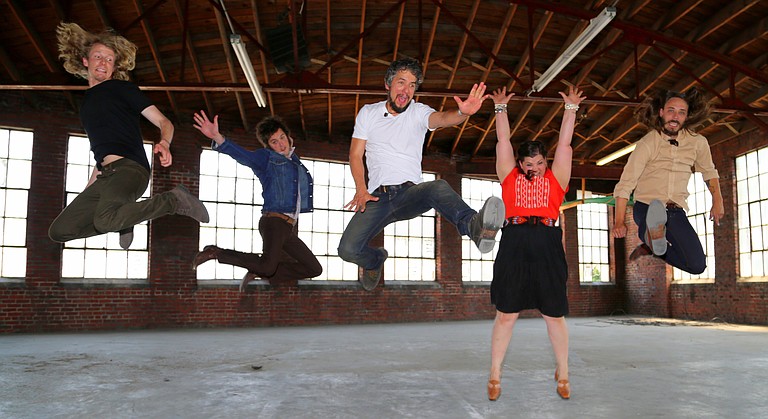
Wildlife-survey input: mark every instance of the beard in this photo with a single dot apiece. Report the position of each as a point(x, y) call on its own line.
point(396, 108)
point(669, 132)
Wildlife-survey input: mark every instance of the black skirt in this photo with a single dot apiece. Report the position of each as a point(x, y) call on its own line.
point(530, 270)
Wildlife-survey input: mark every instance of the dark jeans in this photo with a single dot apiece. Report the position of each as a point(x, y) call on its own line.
point(400, 203)
point(684, 250)
point(109, 204)
point(279, 240)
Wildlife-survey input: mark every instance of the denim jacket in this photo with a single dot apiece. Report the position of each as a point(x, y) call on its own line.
point(280, 177)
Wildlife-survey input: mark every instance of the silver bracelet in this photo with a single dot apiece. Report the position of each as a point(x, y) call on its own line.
point(499, 107)
point(460, 113)
point(571, 107)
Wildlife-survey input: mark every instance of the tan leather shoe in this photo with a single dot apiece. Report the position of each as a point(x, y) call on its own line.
point(563, 387)
point(494, 390)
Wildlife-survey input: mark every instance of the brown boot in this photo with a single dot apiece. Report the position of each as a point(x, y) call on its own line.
point(208, 253)
point(642, 250)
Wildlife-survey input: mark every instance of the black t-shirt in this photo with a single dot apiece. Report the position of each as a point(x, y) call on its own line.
point(111, 116)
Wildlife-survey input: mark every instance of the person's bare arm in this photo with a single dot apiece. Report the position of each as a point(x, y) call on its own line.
point(718, 209)
point(619, 225)
point(356, 165)
point(163, 147)
point(505, 153)
point(467, 107)
point(561, 165)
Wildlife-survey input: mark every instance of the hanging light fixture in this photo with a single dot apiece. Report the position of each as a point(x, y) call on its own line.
point(616, 154)
point(595, 26)
point(245, 62)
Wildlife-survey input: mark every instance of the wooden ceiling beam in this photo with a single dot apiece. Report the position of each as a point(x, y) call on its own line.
point(330, 69)
point(430, 42)
point(365, 33)
point(554, 109)
point(732, 10)
point(9, 65)
point(189, 46)
point(452, 76)
point(156, 54)
point(223, 35)
point(33, 36)
point(480, 44)
point(733, 45)
point(489, 65)
point(360, 51)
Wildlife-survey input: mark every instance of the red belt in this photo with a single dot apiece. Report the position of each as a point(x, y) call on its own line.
point(280, 215)
point(519, 219)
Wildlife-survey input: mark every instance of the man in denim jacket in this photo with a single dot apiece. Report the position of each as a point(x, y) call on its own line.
point(287, 192)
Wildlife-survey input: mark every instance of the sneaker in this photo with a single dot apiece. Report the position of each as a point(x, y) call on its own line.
point(656, 227)
point(126, 238)
point(371, 277)
point(485, 224)
point(188, 204)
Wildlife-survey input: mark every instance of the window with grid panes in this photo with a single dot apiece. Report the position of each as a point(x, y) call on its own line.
point(476, 266)
point(15, 177)
point(411, 246)
point(100, 257)
point(232, 194)
point(699, 204)
point(321, 230)
point(752, 207)
point(592, 219)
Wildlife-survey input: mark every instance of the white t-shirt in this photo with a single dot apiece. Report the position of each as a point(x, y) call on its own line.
point(393, 143)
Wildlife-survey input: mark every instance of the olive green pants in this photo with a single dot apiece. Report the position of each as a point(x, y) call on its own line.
point(109, 204)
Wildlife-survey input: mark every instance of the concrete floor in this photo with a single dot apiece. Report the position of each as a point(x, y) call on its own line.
point(621, 367)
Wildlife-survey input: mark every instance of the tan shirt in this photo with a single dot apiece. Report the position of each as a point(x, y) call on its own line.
point(660, 170)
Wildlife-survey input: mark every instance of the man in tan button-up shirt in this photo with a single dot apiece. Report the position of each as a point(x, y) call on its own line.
point(659, 170)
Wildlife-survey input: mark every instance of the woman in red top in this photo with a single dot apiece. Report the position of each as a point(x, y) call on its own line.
point(530, 270)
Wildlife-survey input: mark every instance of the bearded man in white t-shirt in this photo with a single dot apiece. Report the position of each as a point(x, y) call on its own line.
point(390, 135)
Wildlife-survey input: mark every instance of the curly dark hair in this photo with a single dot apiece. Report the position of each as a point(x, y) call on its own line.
point(75, 43)
point(647, 113)
point(408, 64)
point(268, 126)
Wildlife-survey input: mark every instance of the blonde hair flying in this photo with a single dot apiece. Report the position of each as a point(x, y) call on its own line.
point(75, 43)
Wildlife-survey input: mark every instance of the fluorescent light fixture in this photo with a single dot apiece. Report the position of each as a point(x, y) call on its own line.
point(247, 66)
point(595, 26)
point(616, 154)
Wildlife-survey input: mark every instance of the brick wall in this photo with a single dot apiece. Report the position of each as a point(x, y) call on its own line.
point(172, 297)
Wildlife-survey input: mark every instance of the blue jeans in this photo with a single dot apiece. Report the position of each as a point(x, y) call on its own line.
point(400, 203)
point(684, 250)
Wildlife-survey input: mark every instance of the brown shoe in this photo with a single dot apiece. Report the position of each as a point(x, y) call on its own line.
point(494, 390)
point(249, 276)
point(642, 250)
point(208, 253)
point(656, 227)
point(563, 387)
point(371, 277)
